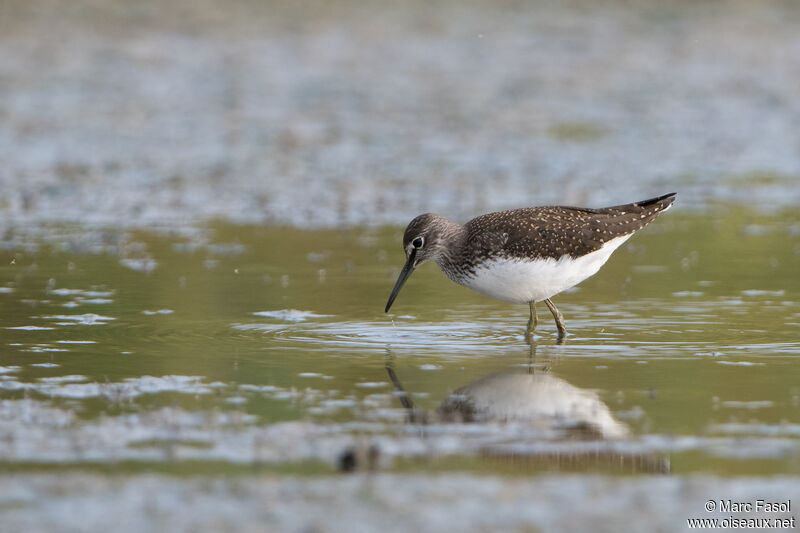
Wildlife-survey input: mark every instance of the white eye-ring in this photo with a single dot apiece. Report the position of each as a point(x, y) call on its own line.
point(418, 242)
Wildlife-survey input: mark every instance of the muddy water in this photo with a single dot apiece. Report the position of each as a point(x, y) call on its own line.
point(239, 345)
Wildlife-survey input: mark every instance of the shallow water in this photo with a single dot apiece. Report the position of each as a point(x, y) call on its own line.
point(240, 345)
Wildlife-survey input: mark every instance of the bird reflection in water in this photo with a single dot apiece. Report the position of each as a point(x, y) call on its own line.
point(542, 401)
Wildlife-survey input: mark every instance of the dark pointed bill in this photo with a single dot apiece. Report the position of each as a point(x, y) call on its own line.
point(408, 268)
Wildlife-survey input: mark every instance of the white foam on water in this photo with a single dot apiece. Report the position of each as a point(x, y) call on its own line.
point(65, 292)
point(64, 379)
point(759, 292)
point(258, 327)
point(372, 384)
point(88, 319)
point(98, 294)
point(139, 265)
point(77, 387)
point(289, 315)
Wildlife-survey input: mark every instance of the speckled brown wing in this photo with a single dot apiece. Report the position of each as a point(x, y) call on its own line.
point(555, 231)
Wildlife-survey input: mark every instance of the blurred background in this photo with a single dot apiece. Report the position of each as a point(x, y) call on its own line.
point(348, 113)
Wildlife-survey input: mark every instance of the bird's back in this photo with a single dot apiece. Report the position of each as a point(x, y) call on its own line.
point(555, 231)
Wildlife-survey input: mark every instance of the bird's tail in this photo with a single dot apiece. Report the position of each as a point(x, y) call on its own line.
point(628, 218)
point(660, 203)
point(653, 206)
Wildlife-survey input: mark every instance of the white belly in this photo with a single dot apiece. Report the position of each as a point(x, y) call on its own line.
point(523, 280)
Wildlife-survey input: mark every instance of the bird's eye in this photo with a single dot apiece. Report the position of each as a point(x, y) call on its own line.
point(418, 242)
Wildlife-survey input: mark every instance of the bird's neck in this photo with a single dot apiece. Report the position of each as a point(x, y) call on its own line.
point(452, 239)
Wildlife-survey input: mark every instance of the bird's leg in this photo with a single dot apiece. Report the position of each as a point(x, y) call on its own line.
point(532, 321)
point(562, 329)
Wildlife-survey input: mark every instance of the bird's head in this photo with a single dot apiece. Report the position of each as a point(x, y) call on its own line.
point(424, 240)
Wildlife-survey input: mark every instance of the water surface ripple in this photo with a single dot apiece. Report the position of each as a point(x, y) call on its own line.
point(680, 357)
